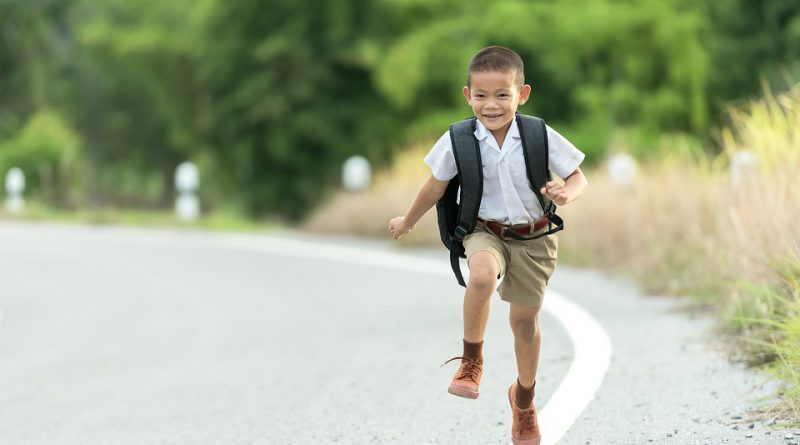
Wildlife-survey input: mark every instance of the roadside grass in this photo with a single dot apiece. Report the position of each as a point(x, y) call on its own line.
point(221, 221)
point(688, 228)
point(391, 193)
point(769, 319)
point(685, 228)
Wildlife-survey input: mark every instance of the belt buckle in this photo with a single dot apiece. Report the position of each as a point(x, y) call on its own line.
point(501, 229)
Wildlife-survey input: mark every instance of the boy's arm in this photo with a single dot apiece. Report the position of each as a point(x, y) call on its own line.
point(428, 195)
point(573, 188)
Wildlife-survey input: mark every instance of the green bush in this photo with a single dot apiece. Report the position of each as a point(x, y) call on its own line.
point(48, 151)
point(768, 316)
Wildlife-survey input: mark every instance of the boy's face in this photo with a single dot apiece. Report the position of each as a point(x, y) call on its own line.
point(494, 97)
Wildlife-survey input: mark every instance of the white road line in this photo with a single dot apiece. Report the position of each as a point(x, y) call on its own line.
point(586, 372)
point(592, 345)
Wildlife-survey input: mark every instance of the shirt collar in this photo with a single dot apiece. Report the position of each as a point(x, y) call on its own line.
point(513, 130)
point(481, 132)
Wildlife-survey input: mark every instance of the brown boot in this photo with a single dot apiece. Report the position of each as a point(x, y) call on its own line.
point(524, 425)
point(467, 379)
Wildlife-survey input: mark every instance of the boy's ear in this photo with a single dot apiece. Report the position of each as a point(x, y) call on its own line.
point(524, 94)
point(466, 94)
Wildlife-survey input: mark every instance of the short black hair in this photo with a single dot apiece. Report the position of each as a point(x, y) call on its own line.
point(497, 58)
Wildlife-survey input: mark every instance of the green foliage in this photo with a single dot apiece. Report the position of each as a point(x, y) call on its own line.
point(291, 98)
point(270, 99)
point(141, 109)
point(769, 315)
point(591, 134)
point(593, 64)
point(750, 40)
point(49, 153)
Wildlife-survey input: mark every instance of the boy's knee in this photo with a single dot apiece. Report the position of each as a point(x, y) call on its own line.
point(524, 328)
point(483, 272)
point(482, 281)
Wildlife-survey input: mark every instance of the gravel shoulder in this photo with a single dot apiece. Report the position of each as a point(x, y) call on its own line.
point(669, 381)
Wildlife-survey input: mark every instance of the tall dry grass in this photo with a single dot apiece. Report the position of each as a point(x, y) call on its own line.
point(687, 227)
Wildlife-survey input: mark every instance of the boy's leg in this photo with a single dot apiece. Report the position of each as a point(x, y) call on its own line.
point(531, 266)
point(483, 271)
point(524, 322)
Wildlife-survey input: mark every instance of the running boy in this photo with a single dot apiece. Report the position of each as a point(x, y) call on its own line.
point(495, 88)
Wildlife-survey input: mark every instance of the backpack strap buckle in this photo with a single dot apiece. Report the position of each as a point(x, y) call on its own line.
point(551, 209)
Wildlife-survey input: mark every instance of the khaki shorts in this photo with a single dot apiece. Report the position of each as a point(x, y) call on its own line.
point(526, 266)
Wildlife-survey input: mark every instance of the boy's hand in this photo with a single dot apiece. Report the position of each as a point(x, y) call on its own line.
point(555, 192)
point(397, 226)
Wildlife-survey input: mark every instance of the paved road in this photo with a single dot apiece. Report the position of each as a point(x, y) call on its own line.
point(134, 337)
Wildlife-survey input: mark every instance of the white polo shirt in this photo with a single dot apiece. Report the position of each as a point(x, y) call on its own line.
point(507, 197)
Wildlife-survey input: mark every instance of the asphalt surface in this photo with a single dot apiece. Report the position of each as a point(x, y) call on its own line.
point(130, 336)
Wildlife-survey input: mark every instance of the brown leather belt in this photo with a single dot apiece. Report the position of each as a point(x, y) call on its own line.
point(520, 229)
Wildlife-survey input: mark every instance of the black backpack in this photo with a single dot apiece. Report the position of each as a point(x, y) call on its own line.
point(458, 220)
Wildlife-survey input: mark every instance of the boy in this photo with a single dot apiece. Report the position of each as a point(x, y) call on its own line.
point(495, 88)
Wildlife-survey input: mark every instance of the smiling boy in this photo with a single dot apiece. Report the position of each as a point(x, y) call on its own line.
point(495, 88)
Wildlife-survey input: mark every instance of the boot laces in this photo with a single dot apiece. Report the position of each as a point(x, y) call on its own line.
point(470, 368)
point(525, 420)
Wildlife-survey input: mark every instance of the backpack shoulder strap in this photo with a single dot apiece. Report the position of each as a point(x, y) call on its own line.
point(533, 133)
point(467, 153)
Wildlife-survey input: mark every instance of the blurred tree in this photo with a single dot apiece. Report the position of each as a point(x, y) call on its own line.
point(270, 98)
point(749, 41)
point(617, 63)
point(291, 97)
point(141, 102)
point(49, 153)
point(34, 58)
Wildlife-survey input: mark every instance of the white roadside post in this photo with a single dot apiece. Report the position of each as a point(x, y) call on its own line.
point(744, 168)
point(15, 185)
point(356, 174)
point(622, 171)
point(187, 180)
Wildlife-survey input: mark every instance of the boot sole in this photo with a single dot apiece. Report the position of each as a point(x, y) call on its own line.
point(535, 441)
point(460, 391)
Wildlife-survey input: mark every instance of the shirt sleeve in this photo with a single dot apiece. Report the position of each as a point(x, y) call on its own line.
point(441, 160)
point(563, 157)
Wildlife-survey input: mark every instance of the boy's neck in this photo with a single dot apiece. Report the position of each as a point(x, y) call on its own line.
point(500, 134)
